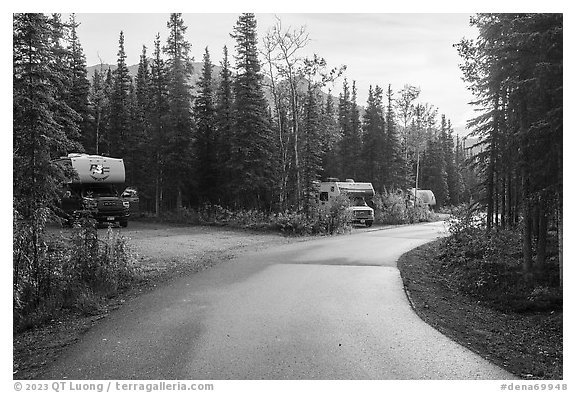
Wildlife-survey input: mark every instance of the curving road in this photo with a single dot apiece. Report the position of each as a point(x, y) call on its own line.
point(332, 308)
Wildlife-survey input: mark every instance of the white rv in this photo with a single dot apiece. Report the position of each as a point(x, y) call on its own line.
point(356, 192)
point(94, 188)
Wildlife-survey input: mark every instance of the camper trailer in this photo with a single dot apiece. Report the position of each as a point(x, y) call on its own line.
point(356, 192)
point(423, 197)
point(94, 189)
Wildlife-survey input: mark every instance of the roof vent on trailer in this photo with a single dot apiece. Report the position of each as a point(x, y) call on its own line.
point(349, 180)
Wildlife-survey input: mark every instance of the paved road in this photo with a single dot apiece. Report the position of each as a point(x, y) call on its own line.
point(332, 308)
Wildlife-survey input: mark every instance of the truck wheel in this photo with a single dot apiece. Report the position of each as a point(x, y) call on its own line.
point(124, 224)
point(368, 224)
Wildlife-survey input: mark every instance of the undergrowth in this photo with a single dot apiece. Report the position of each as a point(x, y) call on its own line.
point(487, 265)
point(53, 273)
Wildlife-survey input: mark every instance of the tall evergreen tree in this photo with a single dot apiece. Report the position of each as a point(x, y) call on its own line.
point(206, 138)
point(158, 115)
point(39, 136)
point(373, 151)
point(330, 139)
point(66, 116)
point(355, 136)
point(142, 149)
point(178, 155)
point(79, 88)
point(119, 128)
point(224, 127)
point(105, 139)
point(344, 122)
point(395, 176)
point(252, 145)
point(98, 98)
point(454, 179)
point(434, 176)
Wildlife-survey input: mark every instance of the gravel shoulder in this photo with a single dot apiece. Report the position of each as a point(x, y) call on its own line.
point(163, 252)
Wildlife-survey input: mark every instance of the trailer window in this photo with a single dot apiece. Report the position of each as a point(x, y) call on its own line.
point(324, 196)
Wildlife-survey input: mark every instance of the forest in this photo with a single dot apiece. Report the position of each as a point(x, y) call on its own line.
point(258, 134)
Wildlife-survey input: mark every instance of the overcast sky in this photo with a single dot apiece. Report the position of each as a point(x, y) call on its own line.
point(377, 49)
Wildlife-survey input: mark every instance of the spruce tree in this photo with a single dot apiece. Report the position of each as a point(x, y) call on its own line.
point(158, 118)
point(64, 114)
point(39, 136)
point(355, 138)
point(98, 99)
point(178, 155)
point(206, 141)
point(373, 157)
point(393, 155)
point(119, 128)
point(142, 149)
point(105, 145)
point(434, 176)
point(331, 136)
point(344, 123)
point(79, 88)
point(224, 127)
point(453, 177)
point(252, 145)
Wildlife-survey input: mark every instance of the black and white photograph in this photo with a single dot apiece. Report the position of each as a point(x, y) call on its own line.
point(202, 198)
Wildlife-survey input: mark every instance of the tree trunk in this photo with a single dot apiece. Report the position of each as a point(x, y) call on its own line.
point(496, 201)
point(492, 183)
point(542, 238)
point(509, 200)
point(296, 130)
point(561, 209)
point(98, 131)
point(178, 197)
point(560, 245)
point(527, 235)
point(503, 209)
point(490, 196)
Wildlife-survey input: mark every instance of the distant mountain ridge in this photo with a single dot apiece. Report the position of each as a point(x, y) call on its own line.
point(133, 72)
point(216, 70)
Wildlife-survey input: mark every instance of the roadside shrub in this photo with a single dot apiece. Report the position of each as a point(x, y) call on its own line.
point(102, 266)
point(295, 224)
point(75, 273)
point(250, 219)
point(339, 217)
point(335, 220)
point(393, 208)
point(214, 214)
point(390, 208)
